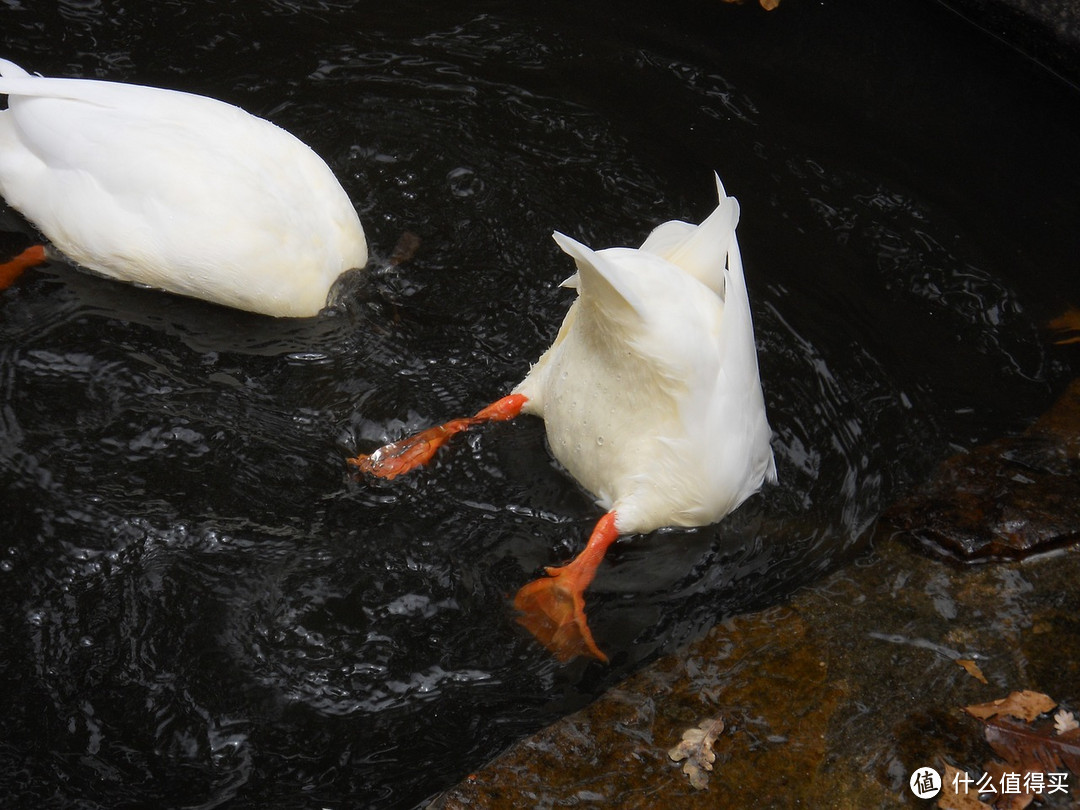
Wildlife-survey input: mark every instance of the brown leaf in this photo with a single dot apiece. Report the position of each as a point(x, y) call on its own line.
point(1025, 705)
point(697, 749)
point(1015, 800)
point(972, 668)
point(958, 800)
point(1067, 325)
point(1035, 752)
point(407, 245)
point(1035, 748)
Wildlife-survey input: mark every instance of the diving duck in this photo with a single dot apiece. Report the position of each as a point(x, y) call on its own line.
point(650, 397)
point(175, 191)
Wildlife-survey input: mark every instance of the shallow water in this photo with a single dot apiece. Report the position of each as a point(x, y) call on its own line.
point(202, 608)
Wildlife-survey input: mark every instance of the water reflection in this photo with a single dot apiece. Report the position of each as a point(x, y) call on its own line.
point(201, 606)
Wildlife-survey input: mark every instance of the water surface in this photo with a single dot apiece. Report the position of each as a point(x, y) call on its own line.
point(202, 608)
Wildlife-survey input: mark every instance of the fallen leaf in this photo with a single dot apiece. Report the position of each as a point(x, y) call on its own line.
point(951, 799)
point(1017, 798)
point(1067, 325)
point(972, 668)
point(697, 749)
point(1034, 747)
point(1064, 722)
point(1025, 705)
point(1034, 752)
point(407, 245)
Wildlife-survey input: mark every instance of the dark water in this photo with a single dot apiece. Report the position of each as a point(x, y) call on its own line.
point(201, 608)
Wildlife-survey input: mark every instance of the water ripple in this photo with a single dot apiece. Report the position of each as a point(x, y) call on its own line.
point(202, 603)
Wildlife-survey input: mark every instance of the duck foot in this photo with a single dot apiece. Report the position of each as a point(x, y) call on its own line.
point(404, 455)
point(553, 607)
point(553, 610)
point(13, 268)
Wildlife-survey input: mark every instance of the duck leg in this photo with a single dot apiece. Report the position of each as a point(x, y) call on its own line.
point(401, 456)
point(553, 607)
point(13, 268)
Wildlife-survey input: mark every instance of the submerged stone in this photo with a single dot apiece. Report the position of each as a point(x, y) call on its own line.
point(839, 696)
point(834, 699)
point(1004, 500)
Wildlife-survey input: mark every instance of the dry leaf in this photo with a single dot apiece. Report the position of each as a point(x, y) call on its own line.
point(1064, 722)
point(1032, 751)
point(407, 245)
point(1034, 748)
point(1016, 799)
point(1067, 325)
point(972, 668)
point(697, 749)
point(1025, 705)
point(954, 800)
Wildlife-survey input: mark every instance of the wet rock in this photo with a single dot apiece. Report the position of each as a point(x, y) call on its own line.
point(761, 673)
point(836, 698)
point(832, 700)
point(1007, 499)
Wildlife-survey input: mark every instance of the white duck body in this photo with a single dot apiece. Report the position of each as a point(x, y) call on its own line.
point(650, 393)
point(176, 191)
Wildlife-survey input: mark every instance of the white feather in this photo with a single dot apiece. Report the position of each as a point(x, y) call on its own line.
point(176, 191)
point(650, 393)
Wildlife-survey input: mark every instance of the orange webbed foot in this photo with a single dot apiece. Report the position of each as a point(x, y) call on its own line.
point(553, 607)
point(399, 457)
point(553, 610)
point(13, 268)
point(404, 455)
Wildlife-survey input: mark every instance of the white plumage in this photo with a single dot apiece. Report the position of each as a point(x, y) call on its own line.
point(650, 393)
point(176, 191)
point(651, 399)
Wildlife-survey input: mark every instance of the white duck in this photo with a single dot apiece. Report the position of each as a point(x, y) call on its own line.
point(651, 399)
point(175, 191)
